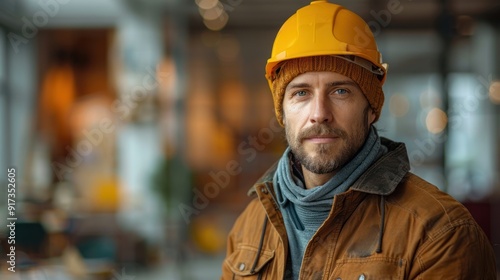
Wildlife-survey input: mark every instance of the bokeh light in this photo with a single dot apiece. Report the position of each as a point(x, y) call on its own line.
point(495, 92)
point(436, 121)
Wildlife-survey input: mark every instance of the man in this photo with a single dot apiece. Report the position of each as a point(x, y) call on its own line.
point(341, 202)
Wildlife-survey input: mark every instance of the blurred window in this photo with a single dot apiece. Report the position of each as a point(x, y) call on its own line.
point(471, 165)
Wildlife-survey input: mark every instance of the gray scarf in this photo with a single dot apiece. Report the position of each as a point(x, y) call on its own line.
point(304, 210)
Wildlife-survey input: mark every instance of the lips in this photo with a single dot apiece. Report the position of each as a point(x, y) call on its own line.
point(321, 139)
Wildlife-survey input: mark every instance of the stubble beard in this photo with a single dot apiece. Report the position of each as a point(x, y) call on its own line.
point(327, 158)
point(323, 161)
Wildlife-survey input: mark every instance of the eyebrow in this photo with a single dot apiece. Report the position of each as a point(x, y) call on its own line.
point(331, 84)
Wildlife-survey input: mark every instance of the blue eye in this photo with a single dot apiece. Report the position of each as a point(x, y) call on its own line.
point(301, 93)
point(341, 91)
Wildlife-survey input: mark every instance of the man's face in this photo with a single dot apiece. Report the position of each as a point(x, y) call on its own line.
point(327, 119)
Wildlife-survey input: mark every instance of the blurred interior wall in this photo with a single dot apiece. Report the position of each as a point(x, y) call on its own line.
point(19, 95)
point(3, 100)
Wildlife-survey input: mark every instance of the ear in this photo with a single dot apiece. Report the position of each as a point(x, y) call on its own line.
point(370, 117)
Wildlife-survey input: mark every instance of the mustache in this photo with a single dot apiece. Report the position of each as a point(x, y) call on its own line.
point(321, 130)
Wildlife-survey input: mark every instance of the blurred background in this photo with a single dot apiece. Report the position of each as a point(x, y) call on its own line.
point(137, 127)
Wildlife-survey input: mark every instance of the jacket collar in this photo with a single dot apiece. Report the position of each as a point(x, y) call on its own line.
point(266, 178)
point(381, 178)
point(384, 175)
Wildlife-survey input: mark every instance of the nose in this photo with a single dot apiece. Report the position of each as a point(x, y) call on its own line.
point(321, 111)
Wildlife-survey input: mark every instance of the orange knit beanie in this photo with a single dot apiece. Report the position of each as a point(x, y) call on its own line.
point(368, 82)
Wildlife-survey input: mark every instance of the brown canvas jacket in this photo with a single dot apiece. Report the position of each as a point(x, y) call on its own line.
point(390, 224)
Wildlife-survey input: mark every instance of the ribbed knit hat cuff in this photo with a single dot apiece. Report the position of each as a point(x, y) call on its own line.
point(368, 82)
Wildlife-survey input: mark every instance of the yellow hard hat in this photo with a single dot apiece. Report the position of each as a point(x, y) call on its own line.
point(322, 28)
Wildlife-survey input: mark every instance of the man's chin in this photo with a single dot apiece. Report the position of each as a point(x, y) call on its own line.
point(319, 168)
point(315, 150)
